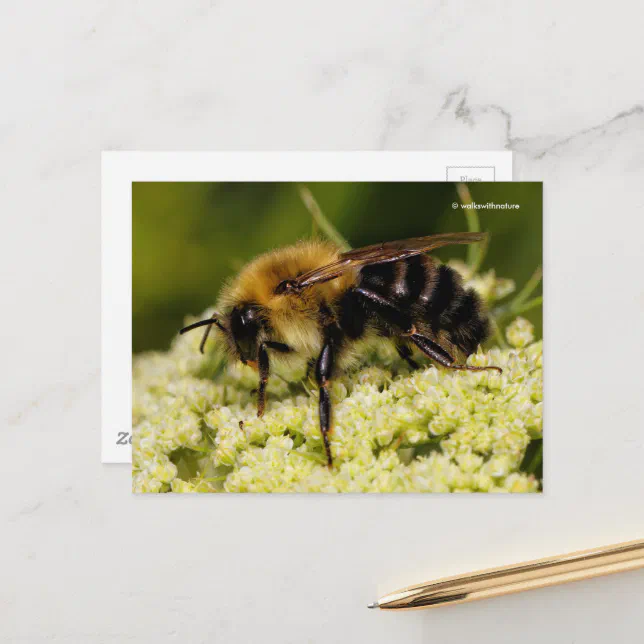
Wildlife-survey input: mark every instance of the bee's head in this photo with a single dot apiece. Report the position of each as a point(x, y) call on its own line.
point(244, 324)
point(241, 327)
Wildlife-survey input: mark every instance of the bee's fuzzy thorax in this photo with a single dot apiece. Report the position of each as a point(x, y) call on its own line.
point(292, 317)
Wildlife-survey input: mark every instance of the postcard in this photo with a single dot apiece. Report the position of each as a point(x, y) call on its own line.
point(379, 334)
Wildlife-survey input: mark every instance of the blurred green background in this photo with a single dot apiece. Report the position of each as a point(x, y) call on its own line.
point(188, 237)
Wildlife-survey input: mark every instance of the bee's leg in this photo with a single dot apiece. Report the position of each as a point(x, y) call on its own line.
point(438, 354)
point(404, 351)
point(324, 369)
point(263, 366)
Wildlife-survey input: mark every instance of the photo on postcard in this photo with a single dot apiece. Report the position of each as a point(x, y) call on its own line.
point(337, 337)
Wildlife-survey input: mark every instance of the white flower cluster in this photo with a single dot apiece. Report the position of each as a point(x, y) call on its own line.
point(490, 287)
point(520, 333)
point(430, 430)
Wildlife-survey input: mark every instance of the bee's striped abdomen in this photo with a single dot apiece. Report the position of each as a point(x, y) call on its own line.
point(403, 281)
point(449, 307)
point(434, 295)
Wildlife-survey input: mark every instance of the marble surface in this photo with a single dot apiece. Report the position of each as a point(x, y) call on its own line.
point(560, 84)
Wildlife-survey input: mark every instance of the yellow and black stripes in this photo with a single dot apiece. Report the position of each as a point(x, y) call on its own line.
point(433, 296)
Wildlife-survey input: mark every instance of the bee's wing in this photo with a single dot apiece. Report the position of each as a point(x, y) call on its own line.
point(382, 253)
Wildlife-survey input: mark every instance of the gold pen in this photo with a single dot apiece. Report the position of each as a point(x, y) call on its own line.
point(518, 577)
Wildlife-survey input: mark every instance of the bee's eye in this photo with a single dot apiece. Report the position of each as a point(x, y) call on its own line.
point(247, 316)
point(245, 324)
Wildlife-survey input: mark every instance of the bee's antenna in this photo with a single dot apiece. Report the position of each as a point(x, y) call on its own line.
point(209, 322)
point(196, 325)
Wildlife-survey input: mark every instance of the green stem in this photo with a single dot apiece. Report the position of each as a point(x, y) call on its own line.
point(475, 252)
point(527, 289)
point(499, 336)
point(320, 220)
point(518, 304)
point(503, 313)
point(536, 460)
point(534, 302)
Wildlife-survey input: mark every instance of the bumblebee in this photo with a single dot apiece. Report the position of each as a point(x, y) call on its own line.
point(313, 301)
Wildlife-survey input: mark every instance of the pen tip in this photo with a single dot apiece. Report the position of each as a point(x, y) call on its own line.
point(374, 605)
